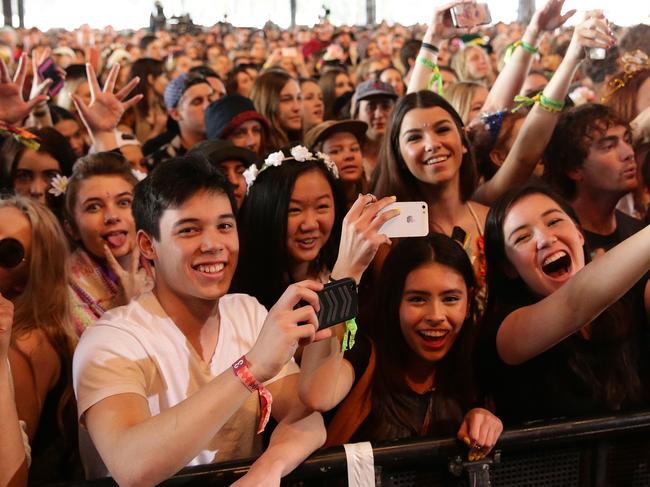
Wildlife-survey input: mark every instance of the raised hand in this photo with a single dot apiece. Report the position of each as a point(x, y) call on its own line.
point(593, 31)
point(549, 17)
point(13, 109)
point(106, 108)
point(441, 26)
point(359, 238)
point(133, 281)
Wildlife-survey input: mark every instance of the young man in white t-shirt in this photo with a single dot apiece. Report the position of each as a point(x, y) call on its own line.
point(166, 381)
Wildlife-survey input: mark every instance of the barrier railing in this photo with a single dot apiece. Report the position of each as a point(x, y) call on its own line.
point(598, 452)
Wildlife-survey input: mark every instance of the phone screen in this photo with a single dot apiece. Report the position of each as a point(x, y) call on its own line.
point(48, 70)
point(470, 14)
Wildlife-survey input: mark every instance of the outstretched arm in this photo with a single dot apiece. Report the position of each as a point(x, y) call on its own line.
point(439, 29)
point(539, 124)
point(513, 75)
point(531, 330)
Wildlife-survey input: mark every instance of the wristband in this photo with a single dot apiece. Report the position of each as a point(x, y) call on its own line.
point(350, 333)
point(550, 105)
point(529, 48)
point(430, 47)
point(241, 370)
point(435, 78)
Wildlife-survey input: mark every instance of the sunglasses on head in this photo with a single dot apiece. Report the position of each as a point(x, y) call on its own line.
point(12, 253)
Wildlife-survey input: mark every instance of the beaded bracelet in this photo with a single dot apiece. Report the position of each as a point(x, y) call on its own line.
point(436, 78)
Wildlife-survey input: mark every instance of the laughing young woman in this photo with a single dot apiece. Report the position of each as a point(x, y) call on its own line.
point(556, 340)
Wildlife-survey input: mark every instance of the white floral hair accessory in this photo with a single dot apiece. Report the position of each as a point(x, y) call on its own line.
point(298, 153)
point(59, 185)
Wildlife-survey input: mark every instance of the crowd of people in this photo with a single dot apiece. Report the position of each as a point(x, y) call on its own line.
point(173, 202)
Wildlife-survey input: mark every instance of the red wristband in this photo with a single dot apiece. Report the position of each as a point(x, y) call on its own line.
point(241, 370)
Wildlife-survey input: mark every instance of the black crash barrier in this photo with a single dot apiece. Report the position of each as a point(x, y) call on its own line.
point(608, 451)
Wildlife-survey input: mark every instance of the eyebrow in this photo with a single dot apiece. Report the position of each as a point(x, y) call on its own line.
point(418, 129)
point(546, 213)
point(185, 221)
point(327, 195)
point(93, 198)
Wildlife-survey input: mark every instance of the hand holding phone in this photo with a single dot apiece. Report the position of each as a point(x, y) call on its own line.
point(339, 302)
point(48, 70)
point(412, 221)
point(470, 14)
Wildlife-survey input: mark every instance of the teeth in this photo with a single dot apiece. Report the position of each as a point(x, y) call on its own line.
point(554, 257)
point(434, 333)
point(436, 160)
point(210, 269)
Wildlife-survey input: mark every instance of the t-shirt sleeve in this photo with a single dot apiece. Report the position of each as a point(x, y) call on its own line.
point(108, 361)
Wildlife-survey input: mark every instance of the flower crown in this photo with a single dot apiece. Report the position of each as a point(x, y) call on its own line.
point(298, 153)
point(59, 183)
point(633, 63)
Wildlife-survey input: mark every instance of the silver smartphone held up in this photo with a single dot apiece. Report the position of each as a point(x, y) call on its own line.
point(412, 221)
point(470, 14)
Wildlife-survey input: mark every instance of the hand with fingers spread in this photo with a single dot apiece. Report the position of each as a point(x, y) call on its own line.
point(549, 17)
point(285, 329)
point(134, 280)
point(13, 109)
point(106, 108)
point(6, 322)
point(359, 238)
point(480, 430)
point(594, 32)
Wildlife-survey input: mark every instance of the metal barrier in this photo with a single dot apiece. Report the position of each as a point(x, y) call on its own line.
point(610, 451)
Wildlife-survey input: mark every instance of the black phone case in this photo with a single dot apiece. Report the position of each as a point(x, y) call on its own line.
point(339, 302)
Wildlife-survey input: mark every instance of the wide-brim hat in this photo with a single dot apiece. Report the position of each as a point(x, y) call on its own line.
point(322, 131)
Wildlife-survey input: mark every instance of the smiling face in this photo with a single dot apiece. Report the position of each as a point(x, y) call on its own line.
point(432, 310)
point(14, 224)
point(478, 64)
point(344, 149)
point(34, 173)
point(102, 216)
point(310, 218)
point(289, 112)
point(431, 145)
point(312, 104)
point(197, 253)
point(542, 243)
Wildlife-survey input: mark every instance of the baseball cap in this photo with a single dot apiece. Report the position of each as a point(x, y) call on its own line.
point(370, 88)
point(322, 131)
point(218, 151)
point(227, 113)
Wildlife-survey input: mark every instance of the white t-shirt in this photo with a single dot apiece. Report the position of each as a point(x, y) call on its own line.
point(138, 349)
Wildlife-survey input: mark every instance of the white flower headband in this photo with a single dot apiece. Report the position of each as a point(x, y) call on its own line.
point(59, 183)
point(298, 153)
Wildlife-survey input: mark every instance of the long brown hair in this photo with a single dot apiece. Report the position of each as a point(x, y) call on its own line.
point(392, 177)
point(265, 94)
point(44, 304)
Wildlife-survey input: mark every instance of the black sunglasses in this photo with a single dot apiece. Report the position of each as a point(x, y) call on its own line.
point(12, 253)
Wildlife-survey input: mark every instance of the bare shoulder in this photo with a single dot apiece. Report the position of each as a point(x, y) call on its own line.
point(481, 211)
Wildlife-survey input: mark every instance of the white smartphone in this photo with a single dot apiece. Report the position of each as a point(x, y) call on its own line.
point(412, 221)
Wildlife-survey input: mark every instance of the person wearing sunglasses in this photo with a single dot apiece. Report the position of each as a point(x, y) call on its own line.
point(33, 278)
